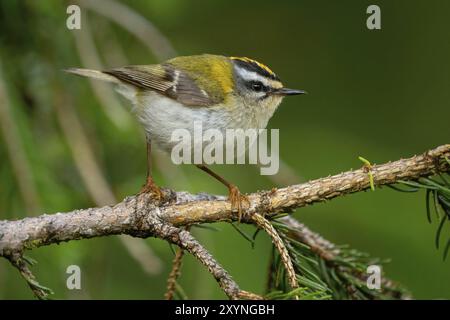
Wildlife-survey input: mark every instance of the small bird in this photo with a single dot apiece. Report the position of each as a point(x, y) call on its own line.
point(221, 92)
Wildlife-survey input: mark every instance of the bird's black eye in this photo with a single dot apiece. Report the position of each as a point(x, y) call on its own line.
point(257, 86)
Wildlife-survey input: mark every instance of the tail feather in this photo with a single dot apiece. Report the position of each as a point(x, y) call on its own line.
point(95, 74)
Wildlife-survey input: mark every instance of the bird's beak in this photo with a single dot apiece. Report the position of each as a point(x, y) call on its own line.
point(288, 92)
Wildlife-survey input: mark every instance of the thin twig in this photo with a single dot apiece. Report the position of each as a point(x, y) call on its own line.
point(264, 224)
point(18, 261)
point(186, 241)
point(174, 274)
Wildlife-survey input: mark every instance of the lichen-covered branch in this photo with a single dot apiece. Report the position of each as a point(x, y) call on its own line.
point(186, 241)
point(181, 208)
point(141, 216)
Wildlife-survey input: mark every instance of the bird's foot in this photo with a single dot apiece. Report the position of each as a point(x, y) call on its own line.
point(152, 189)
point(238, 200)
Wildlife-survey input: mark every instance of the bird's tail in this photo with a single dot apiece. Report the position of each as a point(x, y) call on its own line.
point(95, 74)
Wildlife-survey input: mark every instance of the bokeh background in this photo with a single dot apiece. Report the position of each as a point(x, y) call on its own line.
point(66, 143)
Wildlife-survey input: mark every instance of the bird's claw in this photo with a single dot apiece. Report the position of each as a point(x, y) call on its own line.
point(151, 188)
point(237, 200)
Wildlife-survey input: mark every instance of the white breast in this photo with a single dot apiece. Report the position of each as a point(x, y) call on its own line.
point(161, 116)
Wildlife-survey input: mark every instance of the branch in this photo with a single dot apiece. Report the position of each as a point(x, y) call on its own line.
point(174, 274)
point(332, 255)
point(139, 216)
point(265, 224)
point(186, 241)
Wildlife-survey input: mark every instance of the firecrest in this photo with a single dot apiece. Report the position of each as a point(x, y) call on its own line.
point(220, 92)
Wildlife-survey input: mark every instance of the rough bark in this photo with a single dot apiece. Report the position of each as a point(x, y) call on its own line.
point(141, 216)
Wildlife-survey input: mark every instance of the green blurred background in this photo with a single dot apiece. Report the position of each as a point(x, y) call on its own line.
point(64, 145)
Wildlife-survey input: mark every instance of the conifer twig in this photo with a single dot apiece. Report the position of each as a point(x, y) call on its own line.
point(264, 224)
point(175, 272)
point(20, 262)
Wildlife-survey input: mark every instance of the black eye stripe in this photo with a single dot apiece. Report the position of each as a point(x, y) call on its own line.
point(257, 86)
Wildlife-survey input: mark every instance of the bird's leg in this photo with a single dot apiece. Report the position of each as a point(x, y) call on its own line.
point(150, 186)
point(235, 196)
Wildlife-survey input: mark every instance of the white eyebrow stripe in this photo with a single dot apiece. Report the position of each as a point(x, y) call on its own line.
point(251, 76)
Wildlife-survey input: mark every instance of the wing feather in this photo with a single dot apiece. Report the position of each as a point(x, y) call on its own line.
point(166, 80)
